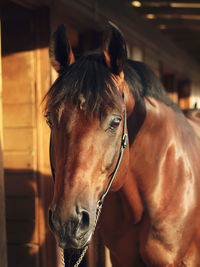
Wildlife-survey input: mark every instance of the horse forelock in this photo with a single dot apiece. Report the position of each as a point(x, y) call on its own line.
point(87, 84)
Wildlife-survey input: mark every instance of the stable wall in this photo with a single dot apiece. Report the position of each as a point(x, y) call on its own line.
point(25, 78)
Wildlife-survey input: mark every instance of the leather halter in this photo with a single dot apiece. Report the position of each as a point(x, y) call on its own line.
point(124, 144)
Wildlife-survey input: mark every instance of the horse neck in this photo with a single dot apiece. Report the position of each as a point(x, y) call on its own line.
point(126, 185)
point(159, 138)
point(149, 126)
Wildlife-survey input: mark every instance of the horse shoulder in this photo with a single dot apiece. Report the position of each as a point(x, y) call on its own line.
point(173, 218)
point(133, 198)
point(172, 202)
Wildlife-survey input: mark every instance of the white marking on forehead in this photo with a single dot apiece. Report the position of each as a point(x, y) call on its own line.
point(60, 112)
point(82, 102)
point(71, 117)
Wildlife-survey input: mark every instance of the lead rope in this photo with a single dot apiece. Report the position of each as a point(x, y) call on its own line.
point(62, 257)
point(100, 202)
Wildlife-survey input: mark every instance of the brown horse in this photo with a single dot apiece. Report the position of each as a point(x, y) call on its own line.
point(151, 215)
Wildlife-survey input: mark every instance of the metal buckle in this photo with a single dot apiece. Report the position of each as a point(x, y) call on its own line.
point(125, 141)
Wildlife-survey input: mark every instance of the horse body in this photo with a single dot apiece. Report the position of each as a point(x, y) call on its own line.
point(166, 225)
point(151, 215)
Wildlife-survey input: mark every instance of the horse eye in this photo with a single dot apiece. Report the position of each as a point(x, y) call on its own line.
point(115, 123)
point(48, 120)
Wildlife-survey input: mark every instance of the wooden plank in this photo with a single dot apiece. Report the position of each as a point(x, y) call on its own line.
point(14, 160)
point(47, 251)
point(18, 65)
point(26, 180)
point(26, 255)
point(20, 208)
point(18, 139)
point(3, 250)
point(19, 115)
point(22, 93)
point(20, 89)
point(20, 232)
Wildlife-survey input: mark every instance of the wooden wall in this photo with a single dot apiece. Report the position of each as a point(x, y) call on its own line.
point(20, 141)
point(25, 74)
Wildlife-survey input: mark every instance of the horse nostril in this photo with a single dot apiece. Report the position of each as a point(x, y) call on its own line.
point(85, 220)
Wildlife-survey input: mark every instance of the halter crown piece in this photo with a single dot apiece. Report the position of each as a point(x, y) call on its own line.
point(124, 144)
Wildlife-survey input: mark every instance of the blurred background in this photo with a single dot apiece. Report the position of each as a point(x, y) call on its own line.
point(163, 34)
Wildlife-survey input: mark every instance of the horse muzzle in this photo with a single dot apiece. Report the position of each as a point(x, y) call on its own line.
point(74, 232)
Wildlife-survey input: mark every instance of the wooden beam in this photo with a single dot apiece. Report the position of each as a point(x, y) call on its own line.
point(167, 10)
point(175, 22)
point(169, 1)
point(182, 28)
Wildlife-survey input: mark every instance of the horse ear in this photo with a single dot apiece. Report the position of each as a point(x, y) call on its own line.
point(60, 52)
point(115, 52)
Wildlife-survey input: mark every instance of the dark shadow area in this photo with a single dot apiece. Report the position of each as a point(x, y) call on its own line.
point(19, 28)
point(3, 249)
point(29, 241)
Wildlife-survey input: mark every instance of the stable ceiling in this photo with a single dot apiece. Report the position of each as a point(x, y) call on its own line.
point(179, 20)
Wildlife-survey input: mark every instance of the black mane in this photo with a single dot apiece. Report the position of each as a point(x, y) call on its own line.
point(90, 77)
point(143, 81)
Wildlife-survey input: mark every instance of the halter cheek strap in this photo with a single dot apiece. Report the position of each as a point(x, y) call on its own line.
point(124, 144)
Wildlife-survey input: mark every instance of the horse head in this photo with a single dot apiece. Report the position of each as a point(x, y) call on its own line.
point(86, 111)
